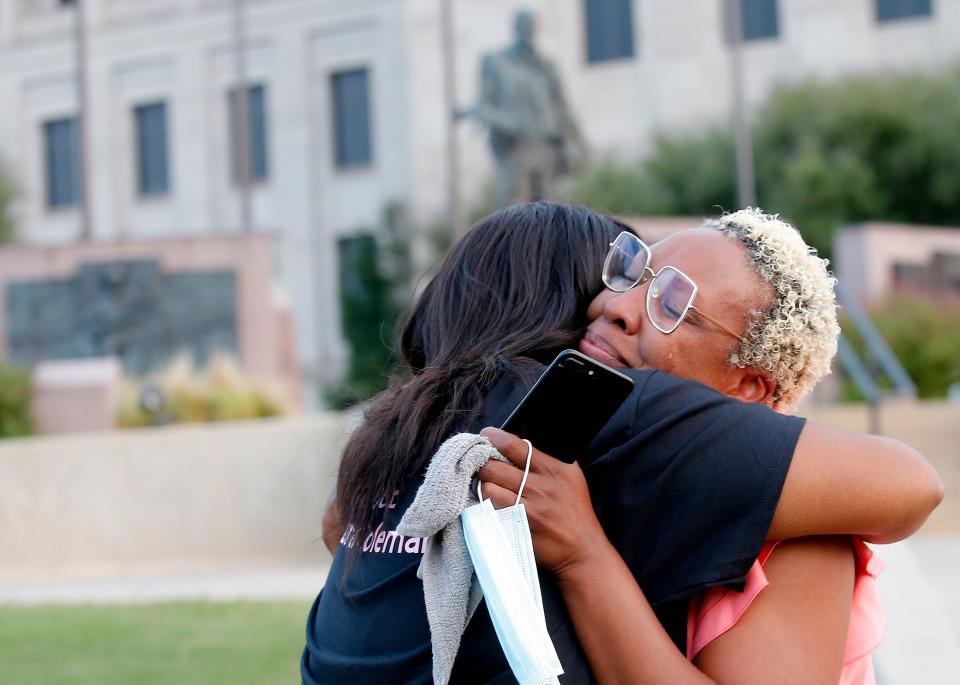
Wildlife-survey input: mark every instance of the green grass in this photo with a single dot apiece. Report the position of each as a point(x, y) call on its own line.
point(186, 643)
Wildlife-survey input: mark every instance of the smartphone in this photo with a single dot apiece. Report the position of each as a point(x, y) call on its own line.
point(568, 405)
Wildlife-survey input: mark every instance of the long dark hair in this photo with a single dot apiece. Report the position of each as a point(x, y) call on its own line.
point(512, 292)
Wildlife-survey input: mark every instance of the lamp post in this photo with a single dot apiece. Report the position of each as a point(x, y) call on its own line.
point(241, 117)
point(454, 210)
point(83, 182)
point(746, 182)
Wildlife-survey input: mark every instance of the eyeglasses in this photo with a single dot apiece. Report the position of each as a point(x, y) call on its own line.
point(671, 292)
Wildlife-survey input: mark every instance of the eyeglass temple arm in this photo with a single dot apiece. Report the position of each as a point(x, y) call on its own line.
point(718, 323)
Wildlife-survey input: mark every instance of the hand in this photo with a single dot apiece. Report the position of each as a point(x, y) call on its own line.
point(332, 526)
point(566, 532)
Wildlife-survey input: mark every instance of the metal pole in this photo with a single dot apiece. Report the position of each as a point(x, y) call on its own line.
point(746, 183)
point(454, 211)
point(83, 182)
point(241, 113)
point(873, 407)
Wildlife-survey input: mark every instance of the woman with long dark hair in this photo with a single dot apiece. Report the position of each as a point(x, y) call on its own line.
point(508, 297)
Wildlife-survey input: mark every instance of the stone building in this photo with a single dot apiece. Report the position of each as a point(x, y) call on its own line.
point(349, 112)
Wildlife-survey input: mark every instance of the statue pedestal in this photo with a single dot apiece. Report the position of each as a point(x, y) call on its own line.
point(75, 395)
point(145, 301)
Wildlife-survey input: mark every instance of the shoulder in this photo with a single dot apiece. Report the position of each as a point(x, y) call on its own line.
point(506, 394)
point(544, 63)
point(680, 419)
point(658, 396)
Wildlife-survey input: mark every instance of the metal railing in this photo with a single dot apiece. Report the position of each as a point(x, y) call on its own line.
point(880, 361)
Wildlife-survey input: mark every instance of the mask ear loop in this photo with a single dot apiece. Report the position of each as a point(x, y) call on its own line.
point(526, 471)
point(523, 483)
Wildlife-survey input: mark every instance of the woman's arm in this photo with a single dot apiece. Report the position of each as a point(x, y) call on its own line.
point(331, 525)
point(841, 482)
point(621, 636)
point(795, 630)
point(617, 629)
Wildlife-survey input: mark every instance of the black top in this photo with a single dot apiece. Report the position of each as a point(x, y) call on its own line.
point(684, 481)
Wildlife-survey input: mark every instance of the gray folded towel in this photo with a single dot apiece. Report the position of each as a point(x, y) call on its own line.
point(450, 589)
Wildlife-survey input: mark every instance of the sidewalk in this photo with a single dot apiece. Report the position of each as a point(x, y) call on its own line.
point(922, 604)
point(220, 585)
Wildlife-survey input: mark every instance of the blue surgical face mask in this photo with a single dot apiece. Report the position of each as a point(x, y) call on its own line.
point(516, 530)
point(502, 552)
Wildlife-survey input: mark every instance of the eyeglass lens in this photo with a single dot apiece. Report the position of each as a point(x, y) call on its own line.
point(668, 298)
point(625, 262)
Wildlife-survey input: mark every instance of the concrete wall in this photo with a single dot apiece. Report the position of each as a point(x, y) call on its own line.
point(163, 499)
point(866, 254)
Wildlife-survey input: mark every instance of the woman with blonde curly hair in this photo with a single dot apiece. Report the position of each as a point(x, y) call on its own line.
point(687, 481)
point(808, 610)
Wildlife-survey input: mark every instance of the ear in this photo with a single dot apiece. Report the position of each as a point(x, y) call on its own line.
point(752, 386)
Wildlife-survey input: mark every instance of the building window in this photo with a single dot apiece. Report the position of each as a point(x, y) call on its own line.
point(893, 10)
point(61, 144)
point(758, 19)
point(609, 29)
point(257, 141)
point(351, 118)
point(152, 170)
point(358, 261)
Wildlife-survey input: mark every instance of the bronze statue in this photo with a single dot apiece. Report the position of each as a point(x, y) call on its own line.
point(532, 135)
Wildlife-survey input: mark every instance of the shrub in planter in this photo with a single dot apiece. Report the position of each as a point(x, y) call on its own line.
point(180, 394)
point(15, 396)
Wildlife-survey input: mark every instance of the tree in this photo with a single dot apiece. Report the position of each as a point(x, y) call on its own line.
point(880, 147)
point(683, 175)
point(375, 285)
point(883, 147)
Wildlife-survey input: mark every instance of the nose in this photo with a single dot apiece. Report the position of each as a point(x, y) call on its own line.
point(625, 310)
point(595, 310)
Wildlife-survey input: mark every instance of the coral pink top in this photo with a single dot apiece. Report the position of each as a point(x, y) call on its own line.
point(717, 610)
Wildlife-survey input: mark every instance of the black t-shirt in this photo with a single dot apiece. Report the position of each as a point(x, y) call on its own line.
point(684, 481)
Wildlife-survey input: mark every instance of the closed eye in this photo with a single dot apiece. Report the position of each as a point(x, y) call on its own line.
point(674, 305)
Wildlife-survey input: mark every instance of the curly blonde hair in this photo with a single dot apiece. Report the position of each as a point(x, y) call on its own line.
point(795, 338)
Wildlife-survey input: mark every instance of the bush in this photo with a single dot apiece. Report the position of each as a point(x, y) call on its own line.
point(881, 147)
point(682, 176)
point(369, 314)
point(925, 337)
point(180, 394)
point(15, 402)
point(878, 147)
point(8, 194)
